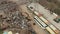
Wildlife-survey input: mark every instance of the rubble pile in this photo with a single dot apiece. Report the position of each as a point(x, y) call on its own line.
point(12, 19)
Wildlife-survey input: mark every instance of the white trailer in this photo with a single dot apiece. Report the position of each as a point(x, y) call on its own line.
point(41, 17)
point(50, 30)
point(55, 14)
point(54, 28)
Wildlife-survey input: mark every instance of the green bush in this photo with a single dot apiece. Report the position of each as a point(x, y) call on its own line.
point(1, 31)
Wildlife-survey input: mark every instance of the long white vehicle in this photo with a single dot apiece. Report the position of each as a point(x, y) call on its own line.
point(54, 29)
point(43, 25)
point(41, 17)
point(37, 22)
point(55, 14)
point(50, 30)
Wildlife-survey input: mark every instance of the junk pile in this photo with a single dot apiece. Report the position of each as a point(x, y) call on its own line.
point(12, 19)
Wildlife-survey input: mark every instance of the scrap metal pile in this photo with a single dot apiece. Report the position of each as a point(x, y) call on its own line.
point(12, 19)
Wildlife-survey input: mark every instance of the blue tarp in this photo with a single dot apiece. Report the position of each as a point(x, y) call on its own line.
point(5, 33)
